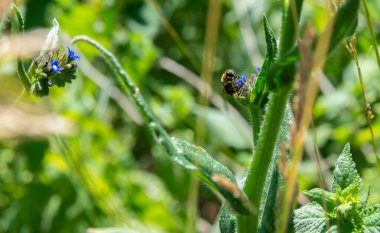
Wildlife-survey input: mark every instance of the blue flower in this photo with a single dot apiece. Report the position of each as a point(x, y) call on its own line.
point(258, 69)
point(72, 55)
point(241, 81)
point(55, 67)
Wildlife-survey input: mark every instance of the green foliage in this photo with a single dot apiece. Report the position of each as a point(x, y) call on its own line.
point(310, 218)
point(341, 209)
point(101, 172)
point(345, 22)
point(214, 174)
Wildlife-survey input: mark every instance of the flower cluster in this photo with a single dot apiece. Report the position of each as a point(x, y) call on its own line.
point(52, 69)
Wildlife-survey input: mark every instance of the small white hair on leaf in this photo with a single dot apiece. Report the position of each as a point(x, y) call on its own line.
point(52, 39)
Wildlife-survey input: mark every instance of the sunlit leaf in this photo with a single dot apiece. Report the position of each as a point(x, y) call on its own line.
point(345, 172)
point(214, 174)
point(310, 218)
point(371, 219)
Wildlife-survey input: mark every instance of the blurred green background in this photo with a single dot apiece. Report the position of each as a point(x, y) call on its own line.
point(81, 158)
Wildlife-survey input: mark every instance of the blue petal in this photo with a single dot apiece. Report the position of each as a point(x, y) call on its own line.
point(55, 67)
point(241, 80)
point(72, 55)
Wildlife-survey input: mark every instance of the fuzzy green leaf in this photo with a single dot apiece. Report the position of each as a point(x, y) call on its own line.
point(214, 174)
point(227, 220)
point(322, 197)
point(345, 172)
point(310, 218)
point(371, 219)
point(260, 89)
point(66, 76)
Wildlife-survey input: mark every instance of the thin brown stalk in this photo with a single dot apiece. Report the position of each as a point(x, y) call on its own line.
point(351, 47)
point(210, 44)
point(304, 119)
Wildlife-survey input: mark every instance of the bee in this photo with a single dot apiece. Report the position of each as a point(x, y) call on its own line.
point(235, 84)
point(228, 80)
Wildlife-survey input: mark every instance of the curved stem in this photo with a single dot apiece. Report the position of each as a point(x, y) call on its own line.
point(20, 64)
point(134, 93)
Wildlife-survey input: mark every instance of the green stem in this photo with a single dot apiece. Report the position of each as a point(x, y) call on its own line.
point(254, 184)
point(20, 64)
point(254, 111)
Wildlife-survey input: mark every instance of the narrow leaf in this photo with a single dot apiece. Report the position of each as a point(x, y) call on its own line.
point(345, 172)
point(214, 174)
point(346, 20)
point(259, 90)
point(310, 218)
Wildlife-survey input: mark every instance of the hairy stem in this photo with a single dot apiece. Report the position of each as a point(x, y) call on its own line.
point(20, 64)
point(254, 111)
point(131, 90)
point(255, 182)
point(258, 170)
